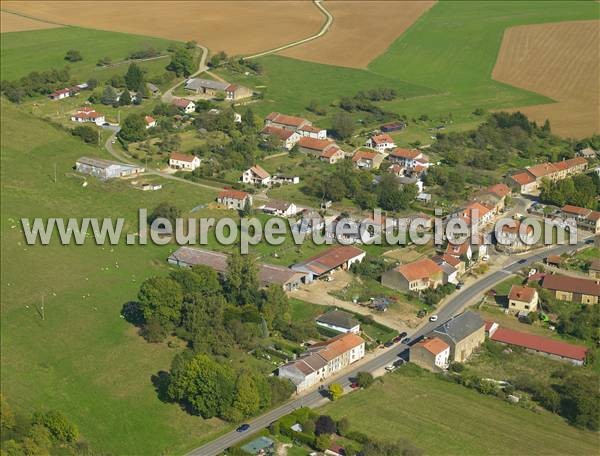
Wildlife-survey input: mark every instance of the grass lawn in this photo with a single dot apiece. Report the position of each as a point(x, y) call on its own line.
point(82, 359)
point(21, 51)
point(443, 418)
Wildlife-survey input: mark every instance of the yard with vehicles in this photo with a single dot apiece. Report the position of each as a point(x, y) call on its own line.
point(487, 425)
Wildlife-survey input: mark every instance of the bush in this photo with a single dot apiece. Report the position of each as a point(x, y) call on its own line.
point(56, 422)
point(325, 425)
point(153, 331)
point(364, 379)
point(73, 55)
point(87, 133)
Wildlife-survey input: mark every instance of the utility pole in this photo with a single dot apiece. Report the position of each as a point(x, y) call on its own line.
point(43, 311)
point(55, 173)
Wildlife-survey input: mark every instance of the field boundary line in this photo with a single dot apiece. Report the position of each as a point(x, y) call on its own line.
point(27, 16)
point(320, 33)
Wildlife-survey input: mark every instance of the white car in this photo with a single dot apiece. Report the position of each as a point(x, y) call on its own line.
point(390, 367)
point(433, 318)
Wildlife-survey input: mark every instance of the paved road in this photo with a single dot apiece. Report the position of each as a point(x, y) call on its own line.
point(321, 32)
point(453, 306)
point(168, 95)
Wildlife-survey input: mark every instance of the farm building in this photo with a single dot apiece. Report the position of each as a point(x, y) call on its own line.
point(208, 87)
point(432, 354)
point(552, 348)
point(235, 92)
point(339, 321)
point(87, 114)
point(528, 181)
point(288, 138)
point(311, 131)
point(572, 289)
point(594, 269)
point(64, 93)
point(267, 274)
point(106, 169)
point(463, 333)
point(367, 159)
point(522, 299)
point(340, 257)
point(332, 155)
point(315, 146)
point(381, 142)
point(279, 208)
point(177, 160)
point(286, 122)
point(393, 126)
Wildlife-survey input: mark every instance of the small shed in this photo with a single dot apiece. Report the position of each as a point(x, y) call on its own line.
point(260, 446)
point(554, 260)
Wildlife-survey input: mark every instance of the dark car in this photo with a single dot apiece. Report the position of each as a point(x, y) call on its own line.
point(399, 363)
point(524, 260)
point(589, 241)
point(354, 385)
point(243, 428)
point(406, 340)
point(389, 343)
point(459, 285)
point(403, 335)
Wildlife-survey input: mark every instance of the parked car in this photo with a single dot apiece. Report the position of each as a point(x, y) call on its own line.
point(406, 340)
point(433, 318)
point(421, 313)
point(354, 385)
point(399, 362)
point(389, 343)
point(402, 335)
point(459, 285)
point(243, 428)
point(390, 367)
point(524, 260)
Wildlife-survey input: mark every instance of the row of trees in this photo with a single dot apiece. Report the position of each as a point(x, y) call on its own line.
point(36, 83)
point(581, 190)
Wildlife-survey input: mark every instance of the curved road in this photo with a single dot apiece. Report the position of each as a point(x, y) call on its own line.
point(168, 95)
point(323, 31)
point(453, 307)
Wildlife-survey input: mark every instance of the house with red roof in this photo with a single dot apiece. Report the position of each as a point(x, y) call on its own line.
point(332, 155)
point(416, 276)
point(493, 196)
point(256, 175)
point(150, 122)
point(235, 92)
point(88, 114)
point(514, 237)
point(315, 146)
point(187, 106)
point(61, 93)
point(288, 138)
point(585, 218)
point(312, 132)
point(572, 289)
point(286, 122)
point(556, 349)
point(187, 162)
point(234, 199)
point(522, 298)
point(430, 353)
point(381, 142)
point(367, 159)
point(528, 181)
point(409, 158)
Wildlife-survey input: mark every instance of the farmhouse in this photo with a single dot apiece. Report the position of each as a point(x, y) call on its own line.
point(339, 321)
point(393, 126)
point(463, 333)
point(185, 105)
point(288, 138)
point(552, 348)
point(431, 354)
point(449, 265)
point(267, 274)
point(323, 360)
point(234, 199)
point(234, 92)
point(286, 122)
point(522, 299)
point(367, 159)
point(332, 155)
point(283, 180)
point(416, 276)
point(529, 180)
point(381, 142)
point(409, 158)
point(311, 131)
point(177, 160)
point(208, 87)
point(256, 175)
point(586, 219)
point(87, 114)
point(339, 257)
point(279, 208)
point(106, 169)
point(150, 122)
point(315, 146)
point(572, 289)
point(62, 93)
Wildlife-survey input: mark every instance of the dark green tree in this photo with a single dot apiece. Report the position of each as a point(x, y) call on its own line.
point(134, 78)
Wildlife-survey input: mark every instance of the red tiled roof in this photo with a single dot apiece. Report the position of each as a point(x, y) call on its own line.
point(457, 249)
point(315, 144)
point(149, 119)
point(234, 194)
point(88, 114)
point(523, 294)
point(281, 133)
point(435, 345)
point(283, 119)
point(383, 138)
point(543, 169)
point(576, 210)
point(181, 102)
point(420, 269)
point(310, 129)
point(260, 172)
point(538, 343)
point(515, 227)
point(363, 155)
point(332, 258)
point(405, 153)
point(451, 260)
point(182, 157)
point(559, 282)
point(523, 178)
point(330, 152)
point(337, 345)
point(500, 190)
point(231, 88)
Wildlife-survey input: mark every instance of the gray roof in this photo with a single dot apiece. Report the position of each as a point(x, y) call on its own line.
point(257, 445)
point(338, 318)
point(197, 84)
point(461, 326)
point(101, 163)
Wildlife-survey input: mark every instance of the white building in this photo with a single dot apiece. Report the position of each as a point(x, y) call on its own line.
point(323, 360)
point(432, 354)
point(288, 138)
point(256, 175)
point(188, 162)
point(380, 142)
point(106, 169)
point(234, 199)
point(312, 132)
point(150, 122)
point(185, 105)
point(87, 114)
point(279, 208)
point(340, 321)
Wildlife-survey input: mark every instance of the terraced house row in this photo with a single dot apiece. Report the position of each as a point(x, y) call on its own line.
point(528, 181)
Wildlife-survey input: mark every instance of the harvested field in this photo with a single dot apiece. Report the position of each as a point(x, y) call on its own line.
point(360, 31)
point(237, 27)
point(561, 61)
point(15, 23)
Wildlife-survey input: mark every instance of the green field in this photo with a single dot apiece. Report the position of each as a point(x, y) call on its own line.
point(443, 418)
point(82, 359)
point(40, 50)
point(441, 65)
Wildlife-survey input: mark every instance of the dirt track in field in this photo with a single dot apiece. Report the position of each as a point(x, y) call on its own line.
point(361, 31)
point(237, 27)
point(561, 61)
point(15, 23)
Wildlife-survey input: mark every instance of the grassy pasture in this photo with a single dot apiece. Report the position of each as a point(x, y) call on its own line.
point(82, 358)
point(447, 419)
point(40, 50)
